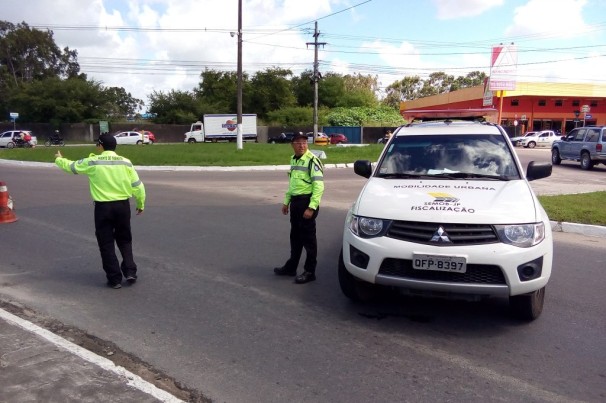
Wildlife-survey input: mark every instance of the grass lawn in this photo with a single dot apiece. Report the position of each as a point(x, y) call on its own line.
point(205, 154)
point(584, 208)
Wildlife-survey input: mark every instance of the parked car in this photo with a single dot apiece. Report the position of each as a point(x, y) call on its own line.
point(337, 138)
point(543, 138)
point(131, 137)
point(282, 138)
point(434, 219)
point(152, 137)
point(584, 144)
point(516, 141)
point(7, 139)
point(321, 139)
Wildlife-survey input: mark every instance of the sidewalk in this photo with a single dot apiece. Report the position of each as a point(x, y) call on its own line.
point(39, 366)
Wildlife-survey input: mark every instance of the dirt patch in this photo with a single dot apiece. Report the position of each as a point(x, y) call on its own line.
point(108, 350)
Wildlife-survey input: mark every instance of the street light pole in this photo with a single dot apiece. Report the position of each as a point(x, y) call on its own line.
point(239, 107)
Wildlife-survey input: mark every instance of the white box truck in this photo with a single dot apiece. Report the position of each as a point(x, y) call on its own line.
point(221, 127)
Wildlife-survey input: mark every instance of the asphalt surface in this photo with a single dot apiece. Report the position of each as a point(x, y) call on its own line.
point(38, 365)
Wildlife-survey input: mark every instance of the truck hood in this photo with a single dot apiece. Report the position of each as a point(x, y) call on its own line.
point(455, 201)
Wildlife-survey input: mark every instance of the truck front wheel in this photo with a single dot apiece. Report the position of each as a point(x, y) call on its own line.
point(555, 157)
point(528, 306)
point(191, 140)
point(353, 288)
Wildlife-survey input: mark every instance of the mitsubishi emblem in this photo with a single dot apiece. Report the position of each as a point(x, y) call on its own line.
point(440, 236)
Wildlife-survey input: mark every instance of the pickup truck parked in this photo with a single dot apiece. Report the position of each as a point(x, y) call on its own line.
point(584, 144)
point(543, 138)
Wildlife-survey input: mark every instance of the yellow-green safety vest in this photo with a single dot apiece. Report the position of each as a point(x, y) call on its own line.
point(111, 177)
point(306, 177)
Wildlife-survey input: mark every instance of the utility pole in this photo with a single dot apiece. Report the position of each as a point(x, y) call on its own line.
point(316, 76)
point(239, 107)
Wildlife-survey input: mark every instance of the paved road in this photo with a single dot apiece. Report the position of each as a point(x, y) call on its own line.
point(209, 312)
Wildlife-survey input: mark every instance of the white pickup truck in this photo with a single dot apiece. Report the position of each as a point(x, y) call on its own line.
point(543, 138)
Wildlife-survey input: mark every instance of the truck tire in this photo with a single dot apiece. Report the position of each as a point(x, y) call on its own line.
point(586, 162)
point(555, 157)
point(353, 288)
point(531, 144)
point(191, 140)
point(528, 306)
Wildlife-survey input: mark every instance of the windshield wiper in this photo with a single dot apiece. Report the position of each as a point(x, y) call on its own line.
point(402, 176)
point(469, 175)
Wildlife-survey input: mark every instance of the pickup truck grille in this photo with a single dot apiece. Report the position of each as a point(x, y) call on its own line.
point(475, 274)
point(456, 234)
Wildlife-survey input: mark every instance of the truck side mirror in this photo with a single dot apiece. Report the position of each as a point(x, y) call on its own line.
point(363, 168)
point(538, 170)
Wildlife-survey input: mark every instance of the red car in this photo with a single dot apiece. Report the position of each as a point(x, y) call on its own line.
point(337, 138)
point(152, 138)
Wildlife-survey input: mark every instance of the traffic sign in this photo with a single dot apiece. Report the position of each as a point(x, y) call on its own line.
point(14, 115)
point(588, 116)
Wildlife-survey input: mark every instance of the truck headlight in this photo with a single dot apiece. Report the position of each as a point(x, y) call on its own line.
point(366, 227)
point(521, 235)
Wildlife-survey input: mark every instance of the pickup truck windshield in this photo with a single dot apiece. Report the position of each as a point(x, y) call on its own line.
point(469, 157)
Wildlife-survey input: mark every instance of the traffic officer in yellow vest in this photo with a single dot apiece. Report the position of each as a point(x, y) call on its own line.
point(113, 181)
point(305, 189)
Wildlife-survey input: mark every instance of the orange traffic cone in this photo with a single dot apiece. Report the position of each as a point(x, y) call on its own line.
point(6, 206)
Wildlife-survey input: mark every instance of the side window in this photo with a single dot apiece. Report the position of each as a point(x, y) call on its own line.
point(592, 136)
point(580, 135)
point(545, 134)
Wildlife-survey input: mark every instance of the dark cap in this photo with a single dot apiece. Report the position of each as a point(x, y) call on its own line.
point(299, 135)
point(107, 141)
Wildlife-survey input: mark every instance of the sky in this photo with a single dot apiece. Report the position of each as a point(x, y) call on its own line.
point(162, 45)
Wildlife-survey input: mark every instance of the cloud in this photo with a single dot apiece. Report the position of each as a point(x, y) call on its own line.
point(558, 18)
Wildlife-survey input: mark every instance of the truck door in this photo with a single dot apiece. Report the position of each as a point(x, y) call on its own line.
point(576, 144)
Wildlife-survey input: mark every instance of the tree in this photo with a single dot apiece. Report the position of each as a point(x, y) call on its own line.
point(271, 90)
point(437, 83)
point(30, 54)
point(119, 103)
point(176, 107)
point(405, 89)
point(472, 79)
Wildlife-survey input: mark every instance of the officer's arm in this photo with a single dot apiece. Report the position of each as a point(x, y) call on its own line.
point(138, 189)
point(317, 187)
point(75, 167)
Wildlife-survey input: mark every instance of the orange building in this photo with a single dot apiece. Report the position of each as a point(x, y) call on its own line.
point(532, 106)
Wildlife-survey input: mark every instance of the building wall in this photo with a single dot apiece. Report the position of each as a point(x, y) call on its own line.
point(540, 106)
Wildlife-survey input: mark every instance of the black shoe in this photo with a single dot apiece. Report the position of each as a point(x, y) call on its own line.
point(131, 279)
point(282, 271)
point(305, 277)
point(115, 286)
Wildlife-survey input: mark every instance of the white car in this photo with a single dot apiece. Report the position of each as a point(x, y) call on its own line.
point(543, 138)
point(448, 211)
point(516, 140)
point(131, 137)
point(7, 138)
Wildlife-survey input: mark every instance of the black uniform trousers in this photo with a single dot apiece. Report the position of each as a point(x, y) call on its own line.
point(112, 225)
point(302, 235)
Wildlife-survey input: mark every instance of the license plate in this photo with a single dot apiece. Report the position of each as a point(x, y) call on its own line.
point(456, 264)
